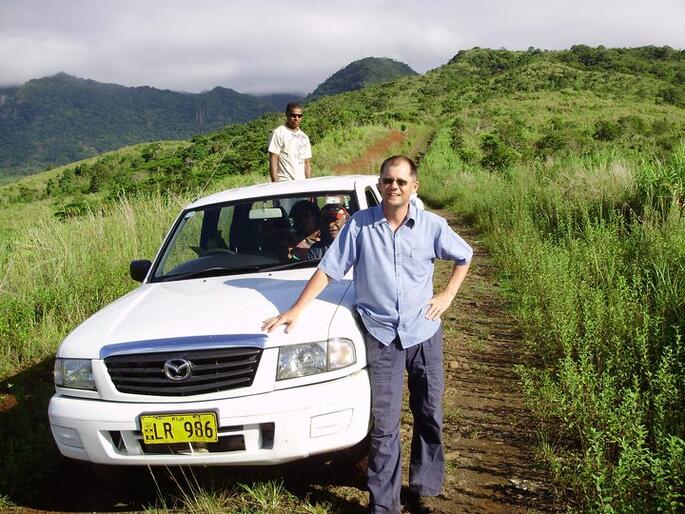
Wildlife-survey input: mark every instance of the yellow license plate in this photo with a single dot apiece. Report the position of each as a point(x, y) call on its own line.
point(200, 427)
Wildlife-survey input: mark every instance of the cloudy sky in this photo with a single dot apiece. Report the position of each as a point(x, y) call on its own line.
point(293, 45)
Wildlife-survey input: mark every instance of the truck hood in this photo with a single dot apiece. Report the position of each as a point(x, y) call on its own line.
point(209, 307)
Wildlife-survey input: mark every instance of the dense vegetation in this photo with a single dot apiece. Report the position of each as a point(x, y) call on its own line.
point(361, 73)
point(592, 250)
point(572, 163)
point(61, 119)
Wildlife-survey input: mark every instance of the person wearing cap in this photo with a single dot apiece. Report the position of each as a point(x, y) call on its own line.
point(392, 247)
point(333, 218)
point(290, 151)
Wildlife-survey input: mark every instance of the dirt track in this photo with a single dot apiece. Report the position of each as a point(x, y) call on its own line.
point(371, 159)
point(489, 436)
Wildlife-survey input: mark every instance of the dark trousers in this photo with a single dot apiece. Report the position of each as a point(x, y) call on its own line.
point(386, 365)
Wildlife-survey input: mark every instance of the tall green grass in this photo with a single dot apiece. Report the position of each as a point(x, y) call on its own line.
point(55, 274)
point(59, 273)
point(593, 254)
point(185, 491)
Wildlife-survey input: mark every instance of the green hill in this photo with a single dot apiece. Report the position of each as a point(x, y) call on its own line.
point(59, 119)
point(361, 73)
point(525, 105)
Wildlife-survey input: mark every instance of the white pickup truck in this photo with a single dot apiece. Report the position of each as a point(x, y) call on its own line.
point(178, 370)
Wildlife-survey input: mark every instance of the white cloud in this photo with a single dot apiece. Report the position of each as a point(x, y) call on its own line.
point(274, 45)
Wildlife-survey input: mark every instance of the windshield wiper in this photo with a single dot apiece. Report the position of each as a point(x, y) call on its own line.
point(292, 265)
point(213, 271)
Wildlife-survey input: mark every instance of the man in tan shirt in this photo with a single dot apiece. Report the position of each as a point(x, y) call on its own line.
point(290, 151)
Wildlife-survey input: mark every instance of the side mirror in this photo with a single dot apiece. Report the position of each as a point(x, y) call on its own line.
point(139, 269)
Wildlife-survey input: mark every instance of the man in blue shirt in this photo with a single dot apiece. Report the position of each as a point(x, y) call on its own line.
point(392, 247)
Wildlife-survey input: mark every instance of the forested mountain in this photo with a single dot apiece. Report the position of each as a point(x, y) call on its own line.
point(280, 100)
point(362, 73)
point(55, 120)
point(60, 119)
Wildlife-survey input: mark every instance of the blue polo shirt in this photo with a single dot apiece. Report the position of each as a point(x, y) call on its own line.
point(393, 271)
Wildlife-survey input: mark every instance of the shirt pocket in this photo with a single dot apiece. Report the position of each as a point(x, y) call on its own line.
point(417, 265)
point(419, 253)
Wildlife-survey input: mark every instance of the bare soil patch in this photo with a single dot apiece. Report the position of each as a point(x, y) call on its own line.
point(372, 158)
point(7, 402)
point(489, 435)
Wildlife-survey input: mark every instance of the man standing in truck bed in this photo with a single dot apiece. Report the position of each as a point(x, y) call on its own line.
point(392, 247)
point(290, 151)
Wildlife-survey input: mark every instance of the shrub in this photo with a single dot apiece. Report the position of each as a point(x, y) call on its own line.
point(497, 156)
point(457, 134)
point(634, 124)
point(606, 130)
point(673, 95)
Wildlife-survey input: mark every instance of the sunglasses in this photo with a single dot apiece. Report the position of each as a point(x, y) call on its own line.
point(294, 115)
point(400, 181)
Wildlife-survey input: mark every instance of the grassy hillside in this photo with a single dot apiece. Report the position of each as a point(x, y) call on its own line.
point(534, 103)
point(571, 163)
point(591, 250)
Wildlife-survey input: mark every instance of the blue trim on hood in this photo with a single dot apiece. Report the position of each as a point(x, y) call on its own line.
point(172, 344)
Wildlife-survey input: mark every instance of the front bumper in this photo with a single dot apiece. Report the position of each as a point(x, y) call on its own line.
point(269, 428)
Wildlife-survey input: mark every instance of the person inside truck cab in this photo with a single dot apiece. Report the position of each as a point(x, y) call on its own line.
point(305, 216)
point(333, 218)
point(282, 243)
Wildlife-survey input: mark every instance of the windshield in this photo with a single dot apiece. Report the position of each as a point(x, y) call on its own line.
point(258, 234)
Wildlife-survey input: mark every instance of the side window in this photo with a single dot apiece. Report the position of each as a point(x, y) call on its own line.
point(371, 200)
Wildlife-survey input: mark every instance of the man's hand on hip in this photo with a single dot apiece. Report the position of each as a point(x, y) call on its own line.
point(441, 301)
point(439, 304)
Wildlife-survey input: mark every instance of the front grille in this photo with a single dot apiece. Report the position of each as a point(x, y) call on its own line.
point(211, 371)
point(230, 443)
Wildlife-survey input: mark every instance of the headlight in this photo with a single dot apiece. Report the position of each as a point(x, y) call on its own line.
point(340, 353)
point(311, 358)
point(74, 373)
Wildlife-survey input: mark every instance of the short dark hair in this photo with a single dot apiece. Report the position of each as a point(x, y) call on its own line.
point(292, 105)
point(390, 162)
point(303, 206)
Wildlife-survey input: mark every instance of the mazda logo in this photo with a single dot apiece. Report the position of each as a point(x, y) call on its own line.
point(178, 369)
